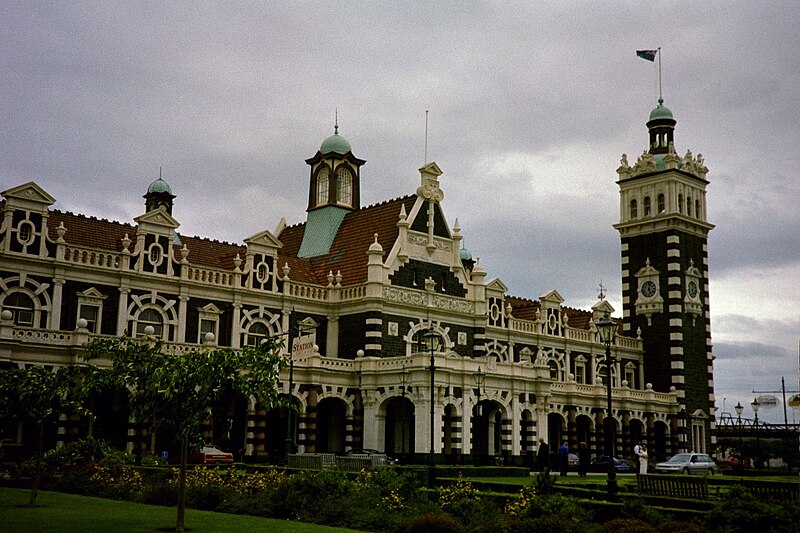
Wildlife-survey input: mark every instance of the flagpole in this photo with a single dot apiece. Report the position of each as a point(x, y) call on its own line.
point(660, 97)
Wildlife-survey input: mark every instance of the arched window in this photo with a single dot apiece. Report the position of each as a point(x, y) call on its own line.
point(344, 187)
point(697, 209)
point(646, 206)
point(661, 203)
point(553, 369)
point(680, 203)
point(21, 307)
point(322, 186)
point(150, 317)
point(256, 333)
point(688, 206)
point(634, 209)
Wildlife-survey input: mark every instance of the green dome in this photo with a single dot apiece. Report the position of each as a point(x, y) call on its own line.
point(466, 255)
point(335, 143)
point(660, 111)
point(159, 186)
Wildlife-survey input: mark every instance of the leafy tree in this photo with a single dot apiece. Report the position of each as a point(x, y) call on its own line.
point(40, 395)
point(179, 391)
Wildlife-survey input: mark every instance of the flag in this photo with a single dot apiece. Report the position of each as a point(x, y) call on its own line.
point(649, 55)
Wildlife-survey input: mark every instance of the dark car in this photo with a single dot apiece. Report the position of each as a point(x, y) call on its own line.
point(600, 464)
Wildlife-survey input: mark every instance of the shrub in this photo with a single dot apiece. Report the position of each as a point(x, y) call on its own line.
point(435, 523)
point(635, 508)
point(740, 511)
point(627, 525)
point(456, 494)
point(116, 480)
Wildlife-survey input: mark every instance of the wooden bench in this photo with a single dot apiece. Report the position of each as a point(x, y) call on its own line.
point(673, 486)
point(784, 491)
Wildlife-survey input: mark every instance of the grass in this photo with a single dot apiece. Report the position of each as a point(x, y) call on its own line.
point(55, 512)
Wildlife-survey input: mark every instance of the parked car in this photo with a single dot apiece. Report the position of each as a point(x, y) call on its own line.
point(206, 455)
point(370, 452)
point(688, 463)
point(600, 464)
point(572, 462)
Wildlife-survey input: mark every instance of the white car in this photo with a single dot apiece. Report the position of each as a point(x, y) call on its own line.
point(688, 463)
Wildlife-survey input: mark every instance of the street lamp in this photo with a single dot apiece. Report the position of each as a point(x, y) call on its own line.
point(606, 328)
point(307, 325)
point(404, 374)
point(431, 339)
point(755, 405)
point(739, 408)
point(479, 377)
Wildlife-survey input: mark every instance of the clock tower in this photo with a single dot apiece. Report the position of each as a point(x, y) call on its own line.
point(664, 242)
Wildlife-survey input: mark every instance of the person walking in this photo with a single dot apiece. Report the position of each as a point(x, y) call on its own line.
point(563, 458)
point(583, 459)
point(642, 460)
point(543, 456)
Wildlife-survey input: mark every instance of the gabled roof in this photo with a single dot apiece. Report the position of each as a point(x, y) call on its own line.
point(348, 252)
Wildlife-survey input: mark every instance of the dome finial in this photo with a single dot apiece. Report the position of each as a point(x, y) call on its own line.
point(336, 122)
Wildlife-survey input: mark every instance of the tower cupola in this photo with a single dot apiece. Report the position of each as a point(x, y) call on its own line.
point(662, 128)
point(159, 194)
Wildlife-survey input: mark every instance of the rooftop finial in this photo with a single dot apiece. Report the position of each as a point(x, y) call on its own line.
point(602, 294)
point(336, 123)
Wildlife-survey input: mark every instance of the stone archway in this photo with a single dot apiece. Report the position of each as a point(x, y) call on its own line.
point(331, 426)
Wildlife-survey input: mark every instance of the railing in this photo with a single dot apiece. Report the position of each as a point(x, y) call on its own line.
point(90, 257)
point(308, 292)
point(220, 278)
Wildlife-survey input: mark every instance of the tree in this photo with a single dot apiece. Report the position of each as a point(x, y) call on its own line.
point(179, 391)
point(40, 395)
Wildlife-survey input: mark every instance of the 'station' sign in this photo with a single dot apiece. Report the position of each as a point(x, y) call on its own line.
point(303, 346)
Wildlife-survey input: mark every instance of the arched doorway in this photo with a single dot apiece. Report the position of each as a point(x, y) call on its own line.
point(399, 429)
point(277, 424)
point(449, 421)
point(331, 422)
point(584, 431)
point(660, 441)
point(112, 416)
point(556, 431)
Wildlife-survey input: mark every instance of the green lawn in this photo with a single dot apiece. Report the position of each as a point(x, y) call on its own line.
point(56, 513)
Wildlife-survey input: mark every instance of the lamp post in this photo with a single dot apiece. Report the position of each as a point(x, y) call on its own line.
point(404, 374)
point(479, 376)
point(606, 328)
point(755, 405)
point(431, 340)
point(307, 325)
point(739, 408)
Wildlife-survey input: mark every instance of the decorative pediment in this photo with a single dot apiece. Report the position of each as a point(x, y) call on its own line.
point(92, 294)
point(552, 297)
point(28, 196)
point(429, 187)
point(210, 309)
point(157, 221)
point(263, 241)
point(496, 285)
point(601, 309)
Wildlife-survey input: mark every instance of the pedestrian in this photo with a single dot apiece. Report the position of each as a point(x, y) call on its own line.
point(543, 456)
point(583, 459)
point(643, 460)
point(563, 458)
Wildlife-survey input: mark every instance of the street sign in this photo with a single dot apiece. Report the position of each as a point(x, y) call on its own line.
point(767, 400)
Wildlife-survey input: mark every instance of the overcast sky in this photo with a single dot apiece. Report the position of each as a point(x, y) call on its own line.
point(530, 104)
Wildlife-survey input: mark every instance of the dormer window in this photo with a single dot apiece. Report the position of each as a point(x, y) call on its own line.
point(322, 186)
point(344, 186)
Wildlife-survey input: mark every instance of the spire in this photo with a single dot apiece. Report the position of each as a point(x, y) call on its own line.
point(336, 123)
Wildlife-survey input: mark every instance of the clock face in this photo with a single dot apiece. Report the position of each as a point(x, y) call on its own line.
point(648, 289)
point(692, 289)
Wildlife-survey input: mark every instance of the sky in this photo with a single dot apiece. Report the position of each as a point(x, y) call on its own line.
point(529, 105)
